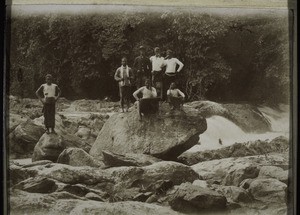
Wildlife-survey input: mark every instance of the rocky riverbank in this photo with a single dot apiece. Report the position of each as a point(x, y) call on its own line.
point(105, 162)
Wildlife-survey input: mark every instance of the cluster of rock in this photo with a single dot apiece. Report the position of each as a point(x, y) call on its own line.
point(74, 131)
point(139, 167)
point(259, 147)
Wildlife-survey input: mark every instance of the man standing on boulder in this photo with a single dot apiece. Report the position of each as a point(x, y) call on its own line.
point(51, 93)
point(148, 104)
point(124, 76)
point(142, 68)
point(170, 74)
point(157, 73)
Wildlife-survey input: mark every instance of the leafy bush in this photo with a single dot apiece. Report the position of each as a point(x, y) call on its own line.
point(225, 58)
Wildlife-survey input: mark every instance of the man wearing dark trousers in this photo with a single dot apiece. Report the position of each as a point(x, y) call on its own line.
point(124, 77)
point(157, 72)
point(170, 75)
point(142, 68)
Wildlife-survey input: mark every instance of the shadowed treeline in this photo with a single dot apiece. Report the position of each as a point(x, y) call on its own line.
point(226, 58)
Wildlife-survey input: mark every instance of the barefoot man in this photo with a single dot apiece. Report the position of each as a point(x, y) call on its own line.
point(148, 103)
point(175, 97)
point(124, 76)
point(51, 93)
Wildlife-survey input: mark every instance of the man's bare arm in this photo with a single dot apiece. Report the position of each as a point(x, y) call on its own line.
point(38, 95)
point(58, 93)
point(117, 78)
point(180, 65)
point(136, 93)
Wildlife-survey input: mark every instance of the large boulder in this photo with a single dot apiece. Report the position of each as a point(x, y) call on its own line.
point(233, 193)
point(78, 157)
point(190, 198)
point(14, 120)
point(268, 190)
point(161, 135)
point(82, 191)
point(17, 173)
point(208, 108)
point(147, 177)
point(65, 203)
point(232, 171)
point(258, 147)
point(129, 159)
point(248, 117)
point(23, 139)
point(25, 136)
point(85, 125)
point(48, 147)
point(37, 185)
point(83, 132)
point(67, 131)
point(274, 172)
point(72, 174)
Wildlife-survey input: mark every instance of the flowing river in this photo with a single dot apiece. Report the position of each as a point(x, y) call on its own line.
point(222, 132)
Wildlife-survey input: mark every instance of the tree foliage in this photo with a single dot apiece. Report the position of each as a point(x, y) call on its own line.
point(225, 58)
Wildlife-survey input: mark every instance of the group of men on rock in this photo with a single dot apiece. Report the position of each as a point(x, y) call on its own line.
point(155, 79)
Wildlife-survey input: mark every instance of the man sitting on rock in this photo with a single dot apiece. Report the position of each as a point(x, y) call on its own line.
point(175, 97)
point(148, 103)
point(51, 93)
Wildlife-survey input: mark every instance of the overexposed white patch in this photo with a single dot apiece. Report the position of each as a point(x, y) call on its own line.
point(222, 132)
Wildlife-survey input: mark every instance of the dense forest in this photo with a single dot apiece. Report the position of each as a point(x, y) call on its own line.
point(226, 58)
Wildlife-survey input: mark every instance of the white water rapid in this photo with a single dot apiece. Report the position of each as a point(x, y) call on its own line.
point(220, 129)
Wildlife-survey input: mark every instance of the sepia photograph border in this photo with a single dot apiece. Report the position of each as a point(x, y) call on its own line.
point(291, 5)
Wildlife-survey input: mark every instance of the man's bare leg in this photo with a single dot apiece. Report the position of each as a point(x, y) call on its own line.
point(122, 105)
point(128, 105)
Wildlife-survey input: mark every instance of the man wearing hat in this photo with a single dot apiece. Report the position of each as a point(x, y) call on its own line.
point(142, 68)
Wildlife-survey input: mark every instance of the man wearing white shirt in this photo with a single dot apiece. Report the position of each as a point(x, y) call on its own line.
point(124, 77)
point(157, 71)
point(51, 93)
point(171, 64)
point(175, 97)
point(148, 104)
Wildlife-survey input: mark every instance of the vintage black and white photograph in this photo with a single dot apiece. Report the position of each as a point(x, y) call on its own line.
point(149, 110)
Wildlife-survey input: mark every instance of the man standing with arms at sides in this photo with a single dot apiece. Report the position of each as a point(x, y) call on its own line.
point(51, 94)
point(142, 68)
point(157, 73)
point(124, 76)
point(170, 74)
